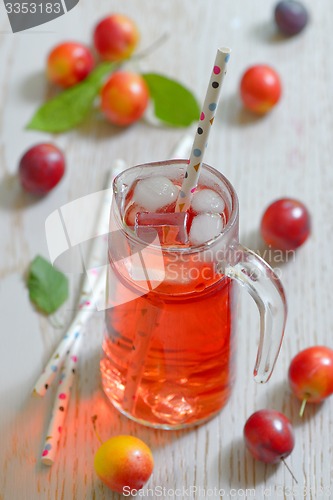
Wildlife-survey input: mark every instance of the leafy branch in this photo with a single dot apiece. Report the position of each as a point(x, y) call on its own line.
point(174, 104)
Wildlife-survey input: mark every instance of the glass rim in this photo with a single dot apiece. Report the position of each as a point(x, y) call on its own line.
point(232, 220)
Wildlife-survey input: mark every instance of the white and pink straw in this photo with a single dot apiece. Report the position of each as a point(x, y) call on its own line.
point(206, 120)
point(65, 357)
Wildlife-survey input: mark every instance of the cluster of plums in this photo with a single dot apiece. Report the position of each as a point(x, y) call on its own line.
point(269, 434)
point(127, 461)
point(124, 96)
point(285, 225)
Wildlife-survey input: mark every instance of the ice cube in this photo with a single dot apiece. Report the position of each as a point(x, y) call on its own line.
point(171, 228)
point(207, 200)
point(154, 193)
point(205, 227)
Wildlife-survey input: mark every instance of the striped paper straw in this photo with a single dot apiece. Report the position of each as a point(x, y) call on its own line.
point(60, 405)
point(201, 138)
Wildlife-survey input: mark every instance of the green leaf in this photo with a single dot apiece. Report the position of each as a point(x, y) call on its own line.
point(174, 104)
point(68, 109)
point(48, 287)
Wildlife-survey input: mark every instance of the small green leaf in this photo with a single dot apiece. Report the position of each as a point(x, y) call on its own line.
point(174, 104)
point(68, 109)
point(48, 287)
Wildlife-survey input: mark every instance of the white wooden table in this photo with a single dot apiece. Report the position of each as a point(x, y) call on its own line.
point(286, 153)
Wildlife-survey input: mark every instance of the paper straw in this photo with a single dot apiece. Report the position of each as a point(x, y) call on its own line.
point(205, 122)
point(92, 287)
point(60, 405)
point(56, 360)
point(70, 344)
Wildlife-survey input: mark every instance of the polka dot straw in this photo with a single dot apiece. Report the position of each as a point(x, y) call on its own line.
point(94, 280)
point(74, 332)
point(60, 405)
point(66, 353)
point(205, 122)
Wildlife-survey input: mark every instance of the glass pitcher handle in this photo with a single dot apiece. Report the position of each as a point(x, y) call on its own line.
point(266, 289)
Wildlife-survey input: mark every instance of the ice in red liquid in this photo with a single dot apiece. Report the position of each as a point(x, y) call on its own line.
point(168, 354)
point(170, 228)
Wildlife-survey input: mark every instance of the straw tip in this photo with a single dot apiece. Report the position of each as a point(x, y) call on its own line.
point(47, 461)
point(36, 393)
point(224, 50)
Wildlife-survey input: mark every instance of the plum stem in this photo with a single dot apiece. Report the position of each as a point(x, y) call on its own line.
point(301, 411)
point(93, 419)
point(289, 469)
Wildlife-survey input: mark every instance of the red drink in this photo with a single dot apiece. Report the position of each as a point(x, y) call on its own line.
point(186, 373)
point(168, 353)
point(169, 343)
